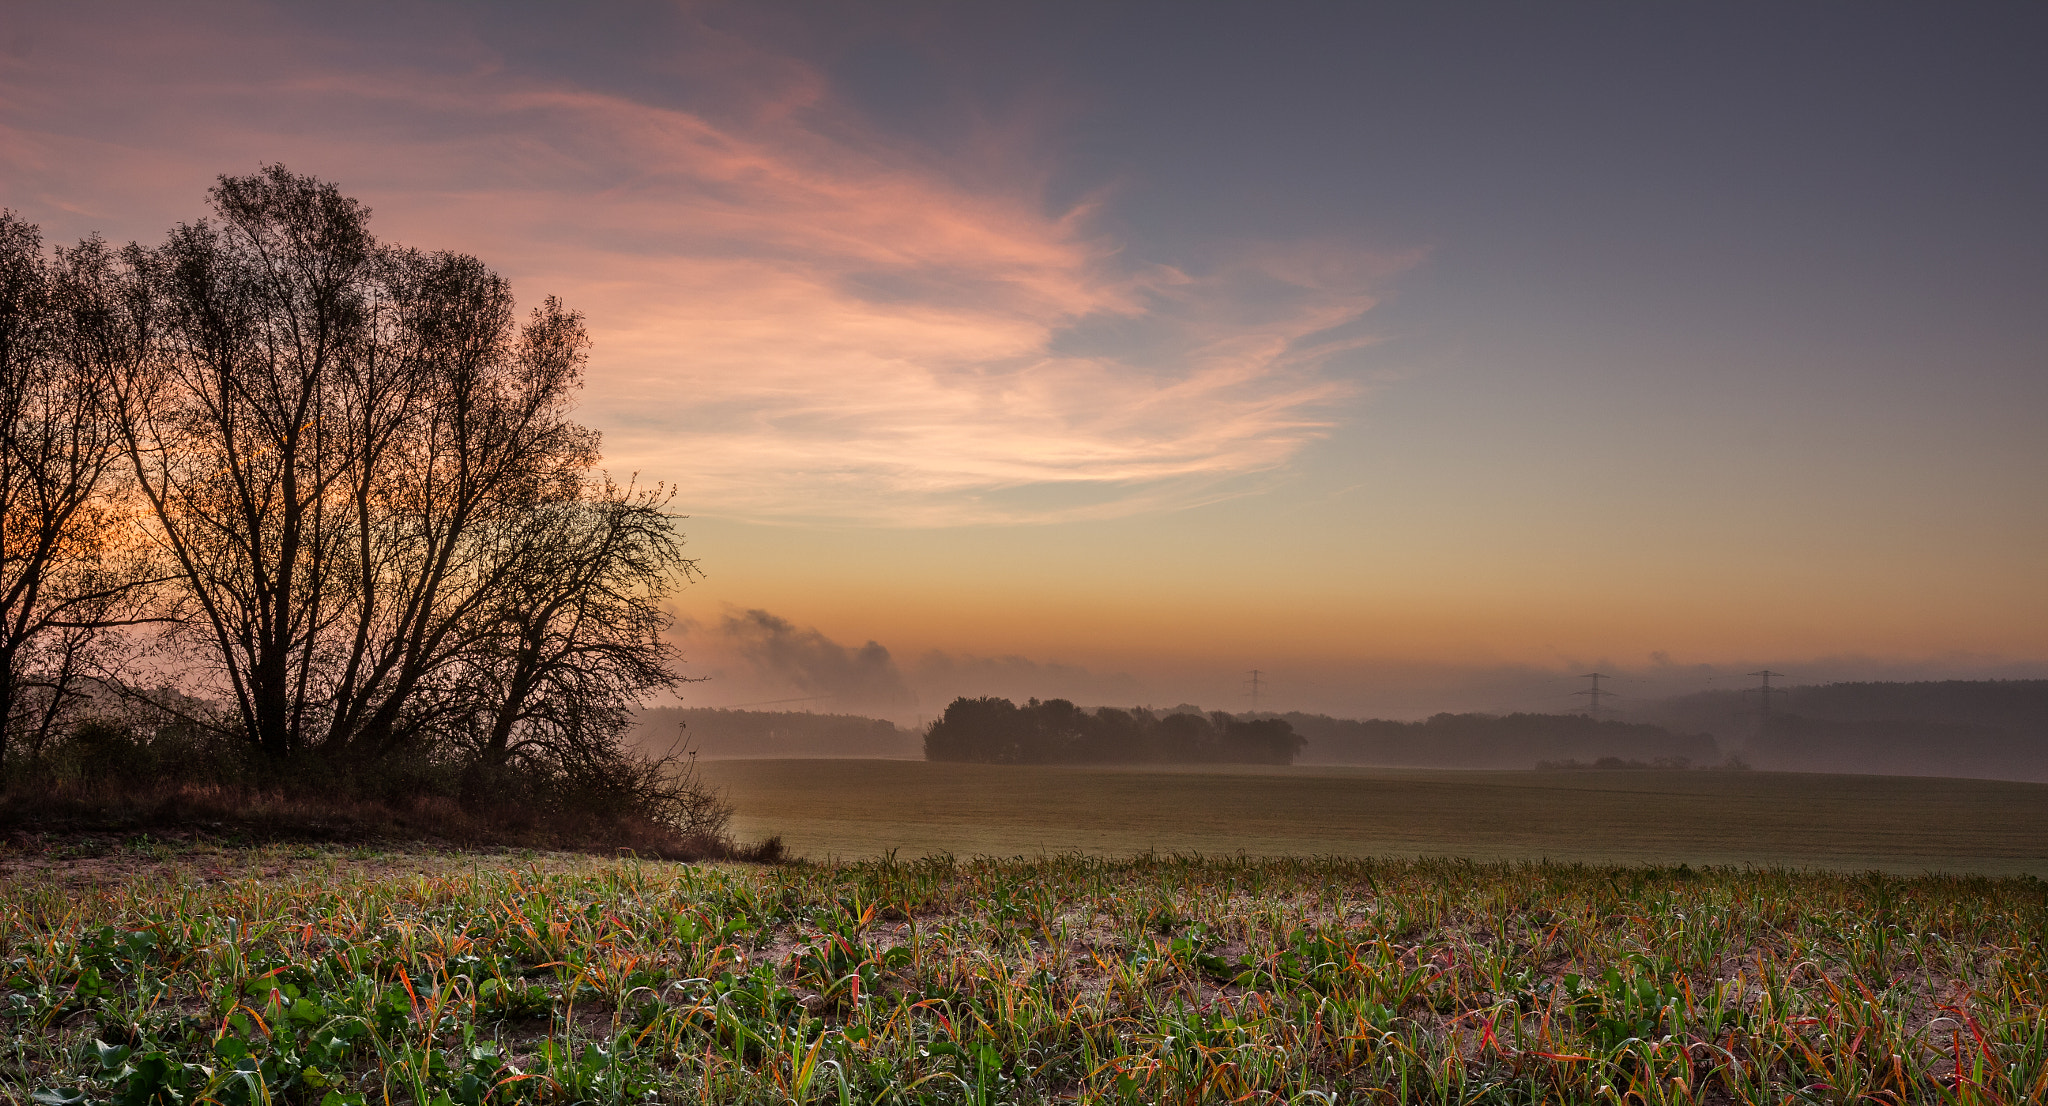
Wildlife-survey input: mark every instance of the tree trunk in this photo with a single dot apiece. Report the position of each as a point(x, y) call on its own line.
point(7, 695)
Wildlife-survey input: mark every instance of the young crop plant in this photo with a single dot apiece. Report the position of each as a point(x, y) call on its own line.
point(259, 976)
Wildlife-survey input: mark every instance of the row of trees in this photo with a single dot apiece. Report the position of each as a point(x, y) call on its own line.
point(997, 731)
point(313, 494)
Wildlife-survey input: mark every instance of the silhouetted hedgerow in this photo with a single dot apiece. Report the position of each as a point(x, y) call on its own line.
point(997, 731)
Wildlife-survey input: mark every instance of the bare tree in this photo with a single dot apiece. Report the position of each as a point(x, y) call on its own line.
point(488, 443)
point(68, 569)
point(236, 428)
point(574, 638)
point(345, 476)
point(362, 463)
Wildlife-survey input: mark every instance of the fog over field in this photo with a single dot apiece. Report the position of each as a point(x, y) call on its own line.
point(1962, 716)
point(1960, 728)
point(760, 660)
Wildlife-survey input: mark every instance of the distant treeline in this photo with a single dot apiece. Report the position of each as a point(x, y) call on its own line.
point(1495, 741)
point(997, 731)
point(1986, 728)
point(761, 733)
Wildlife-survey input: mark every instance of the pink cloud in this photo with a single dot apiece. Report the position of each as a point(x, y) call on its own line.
point(796, 316)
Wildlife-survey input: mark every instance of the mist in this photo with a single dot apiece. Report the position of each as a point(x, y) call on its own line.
point(755, 657)
point(1945, 715)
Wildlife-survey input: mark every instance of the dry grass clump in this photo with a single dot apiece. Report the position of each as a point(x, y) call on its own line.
point(104, 779)
point(1158, 979)
point(245, 812)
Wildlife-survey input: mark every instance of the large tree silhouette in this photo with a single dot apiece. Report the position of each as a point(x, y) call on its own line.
point(344, 476)
point(362, 464)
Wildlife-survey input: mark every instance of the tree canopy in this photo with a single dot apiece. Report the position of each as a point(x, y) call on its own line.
point(997, 731)
point(340, 475)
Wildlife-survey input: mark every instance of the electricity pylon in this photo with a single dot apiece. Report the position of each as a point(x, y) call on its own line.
point(1766, 691)
point(1595, 693)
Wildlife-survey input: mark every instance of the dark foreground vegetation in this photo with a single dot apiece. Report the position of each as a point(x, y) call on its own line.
point(997, 731)
point(653, 808)
point(150, 974)
point(292, 519)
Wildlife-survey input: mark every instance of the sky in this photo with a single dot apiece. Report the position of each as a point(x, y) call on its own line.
point(1419, 356)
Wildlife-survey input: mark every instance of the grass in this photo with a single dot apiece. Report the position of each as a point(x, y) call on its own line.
point(864, 808)
point(143, 971)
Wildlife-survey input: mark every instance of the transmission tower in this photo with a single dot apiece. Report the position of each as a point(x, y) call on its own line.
point(1255, 682)
point(1595, 693)
point(1765, 691)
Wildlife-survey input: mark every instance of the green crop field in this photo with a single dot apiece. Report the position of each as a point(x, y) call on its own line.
point(1344, 936)
point(142, 973)
point(1903, 825)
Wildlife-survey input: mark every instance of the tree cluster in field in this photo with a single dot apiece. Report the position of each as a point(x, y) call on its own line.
point(278, 495)
point(997, 731)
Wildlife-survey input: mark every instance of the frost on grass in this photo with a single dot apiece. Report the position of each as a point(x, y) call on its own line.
point(305, 975)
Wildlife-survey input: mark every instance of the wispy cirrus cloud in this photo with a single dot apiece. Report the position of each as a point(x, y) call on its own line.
point(797, 315)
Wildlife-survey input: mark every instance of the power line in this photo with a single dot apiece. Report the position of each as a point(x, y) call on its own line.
point(1765, 691)
point(771, 702)
point(1255, 682)
point(1595, 693)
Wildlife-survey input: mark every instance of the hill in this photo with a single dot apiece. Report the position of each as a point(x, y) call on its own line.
point(1495, 741)
point(1991, 729)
